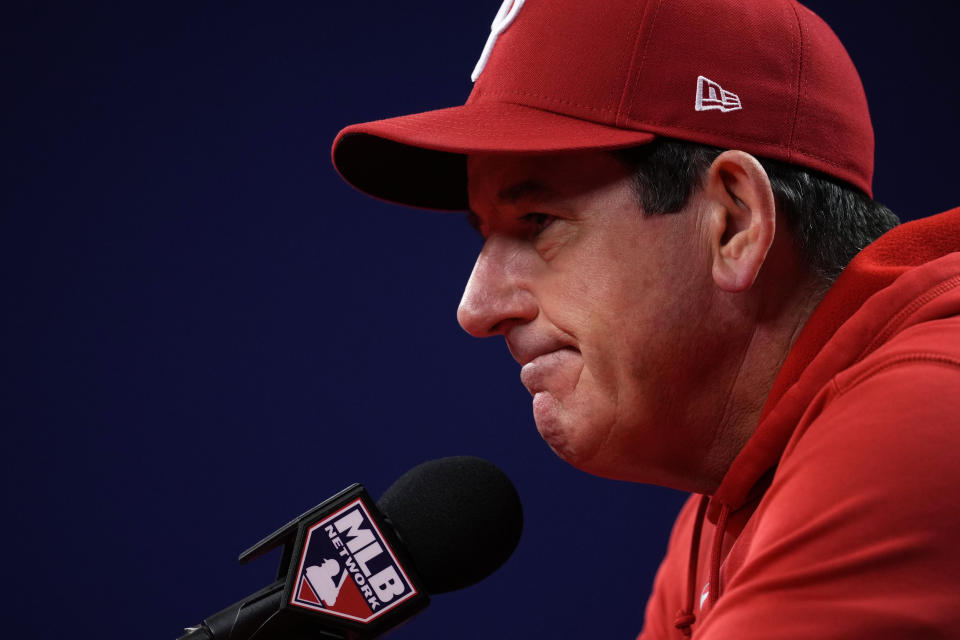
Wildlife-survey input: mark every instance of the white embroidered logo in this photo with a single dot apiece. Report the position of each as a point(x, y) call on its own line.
point(505, 17)
point(704, 594)
point(322, 579)
point(711, 95)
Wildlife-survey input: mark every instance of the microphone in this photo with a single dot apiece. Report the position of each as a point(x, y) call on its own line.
point(352, 569)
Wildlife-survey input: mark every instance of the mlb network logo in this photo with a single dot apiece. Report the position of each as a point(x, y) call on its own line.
point(347, 569)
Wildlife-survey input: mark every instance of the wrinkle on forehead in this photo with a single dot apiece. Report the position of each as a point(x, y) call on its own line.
point(526, 190)
point(503, 179)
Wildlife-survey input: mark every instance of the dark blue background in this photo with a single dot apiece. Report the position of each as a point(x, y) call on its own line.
point(205, 332)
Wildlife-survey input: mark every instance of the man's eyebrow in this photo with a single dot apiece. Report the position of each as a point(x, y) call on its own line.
point(532, 189)
point(526, 189)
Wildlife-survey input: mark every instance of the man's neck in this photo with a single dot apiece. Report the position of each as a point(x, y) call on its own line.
point(779, 321)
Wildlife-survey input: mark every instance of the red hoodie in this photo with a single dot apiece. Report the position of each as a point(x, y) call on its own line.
point(841, 516)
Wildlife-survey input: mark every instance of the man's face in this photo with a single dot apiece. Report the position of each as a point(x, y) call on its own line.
point(606, 310)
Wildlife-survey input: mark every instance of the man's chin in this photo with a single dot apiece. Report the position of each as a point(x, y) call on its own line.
point(560, 430)
point(547, 416)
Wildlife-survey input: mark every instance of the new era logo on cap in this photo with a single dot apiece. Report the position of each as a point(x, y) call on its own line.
point(711, 96)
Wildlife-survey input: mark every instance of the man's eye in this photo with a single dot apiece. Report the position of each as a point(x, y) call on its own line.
point(539, 221)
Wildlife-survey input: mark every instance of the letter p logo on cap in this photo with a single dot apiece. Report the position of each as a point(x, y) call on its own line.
point(505, 17)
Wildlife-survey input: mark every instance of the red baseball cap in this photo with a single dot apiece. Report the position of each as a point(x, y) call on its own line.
point(768, 77)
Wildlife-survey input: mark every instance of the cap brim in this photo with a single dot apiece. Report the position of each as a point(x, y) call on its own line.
point(419, 160)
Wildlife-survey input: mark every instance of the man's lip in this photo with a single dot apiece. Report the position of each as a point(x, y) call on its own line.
point(536, 375)
point(526, 356)
point(547, 353)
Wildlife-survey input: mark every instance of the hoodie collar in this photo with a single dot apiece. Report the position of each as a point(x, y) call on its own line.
point(863, 289)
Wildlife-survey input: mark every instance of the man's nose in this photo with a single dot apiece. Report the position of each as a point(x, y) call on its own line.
point(497, 295)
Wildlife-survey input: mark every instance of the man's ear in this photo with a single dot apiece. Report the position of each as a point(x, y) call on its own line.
point(741, 219)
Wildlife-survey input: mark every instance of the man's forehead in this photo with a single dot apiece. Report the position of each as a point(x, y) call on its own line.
point(526, 189)
point(509, 179)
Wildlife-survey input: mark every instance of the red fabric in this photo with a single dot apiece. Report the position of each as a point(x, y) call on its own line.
point(855, 533)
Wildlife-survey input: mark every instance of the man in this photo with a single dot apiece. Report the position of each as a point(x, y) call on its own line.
point(668, 191)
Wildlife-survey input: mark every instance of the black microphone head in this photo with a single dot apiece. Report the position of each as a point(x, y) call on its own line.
point(460, 519)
